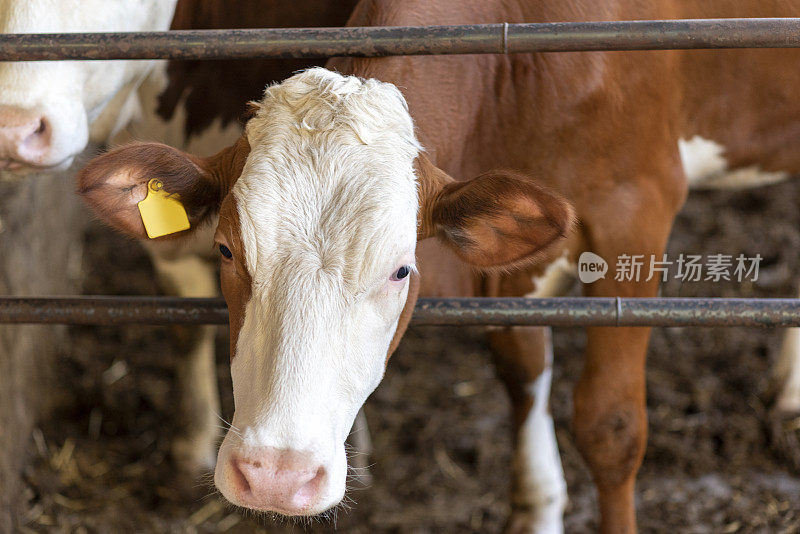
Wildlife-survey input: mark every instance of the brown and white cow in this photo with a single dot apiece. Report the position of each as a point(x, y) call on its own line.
point(50, 111)
point(322, 203)
point(327, 201)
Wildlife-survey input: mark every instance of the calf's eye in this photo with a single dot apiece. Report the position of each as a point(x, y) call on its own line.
point(401, 273)
point(226, 252)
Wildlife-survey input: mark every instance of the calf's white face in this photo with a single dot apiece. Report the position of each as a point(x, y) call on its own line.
point(327, 211)
point(318, 222)
point(50, 110)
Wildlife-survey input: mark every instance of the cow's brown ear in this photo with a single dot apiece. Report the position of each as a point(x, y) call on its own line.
point(498, 220)
point(115, 182)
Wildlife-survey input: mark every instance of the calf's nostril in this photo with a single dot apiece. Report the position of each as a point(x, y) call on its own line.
point(239, 479)
point(308, 492)
point(40, 134)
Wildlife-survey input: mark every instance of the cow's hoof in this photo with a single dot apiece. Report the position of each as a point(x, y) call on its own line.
point(530, 522)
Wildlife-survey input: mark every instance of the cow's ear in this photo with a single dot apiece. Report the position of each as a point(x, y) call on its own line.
point(114, 183)
point(498, 220)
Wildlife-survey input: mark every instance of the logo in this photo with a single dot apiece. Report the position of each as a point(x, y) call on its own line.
point(591, 267)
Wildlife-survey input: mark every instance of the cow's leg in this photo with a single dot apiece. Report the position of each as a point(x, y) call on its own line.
point(194, 447)
point(610, 420)
point(787, 372)
point(523, 356)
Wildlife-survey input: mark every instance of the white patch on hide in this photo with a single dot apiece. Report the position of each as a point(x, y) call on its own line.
point(184, 270)
point(537, 464)
point(706, 167)
point(556, 280)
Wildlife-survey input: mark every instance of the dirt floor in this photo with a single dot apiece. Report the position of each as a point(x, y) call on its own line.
point(717, 460)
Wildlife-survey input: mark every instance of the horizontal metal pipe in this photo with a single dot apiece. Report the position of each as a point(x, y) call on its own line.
point(568, 311)
point(407, 40)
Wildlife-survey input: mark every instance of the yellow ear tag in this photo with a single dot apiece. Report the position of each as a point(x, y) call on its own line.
point(162, 213)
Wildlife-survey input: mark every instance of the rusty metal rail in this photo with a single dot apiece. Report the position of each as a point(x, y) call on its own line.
point(568, 311)
point(417, 40)
point(408, 40)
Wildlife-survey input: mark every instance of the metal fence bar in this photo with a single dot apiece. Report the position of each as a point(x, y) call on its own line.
point(408, 40)
point(568, 311)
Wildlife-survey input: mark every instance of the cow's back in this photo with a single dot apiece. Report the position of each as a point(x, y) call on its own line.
point(478, 112)
point(594, 126)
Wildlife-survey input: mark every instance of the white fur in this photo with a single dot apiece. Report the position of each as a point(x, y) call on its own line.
point(706, 167)
point(556, 279)
point(82, 100)
point(541, 485)
point(327, 205)
point(186, 268)
point(541, 488)
point(788, 372)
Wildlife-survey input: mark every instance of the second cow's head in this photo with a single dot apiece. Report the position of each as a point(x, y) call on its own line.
point(321, 204)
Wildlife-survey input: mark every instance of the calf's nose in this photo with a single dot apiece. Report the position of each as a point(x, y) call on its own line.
point(279, 480)
point(25, 137)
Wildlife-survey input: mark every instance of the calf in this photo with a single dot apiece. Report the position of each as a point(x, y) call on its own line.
point(326, 203)
point(321, 205)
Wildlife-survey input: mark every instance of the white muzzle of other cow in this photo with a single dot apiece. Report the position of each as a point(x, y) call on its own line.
point(300, 375)
point(46, 129)
point(50, 110)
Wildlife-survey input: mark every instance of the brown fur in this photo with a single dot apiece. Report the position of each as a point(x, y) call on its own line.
point(234, 277)
point(405, 314)
point(500, 220)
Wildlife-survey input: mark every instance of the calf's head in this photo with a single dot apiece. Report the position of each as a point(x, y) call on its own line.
point(50, 110)
point(321, 204)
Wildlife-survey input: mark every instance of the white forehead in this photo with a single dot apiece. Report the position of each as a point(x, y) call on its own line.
point(329, 182)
